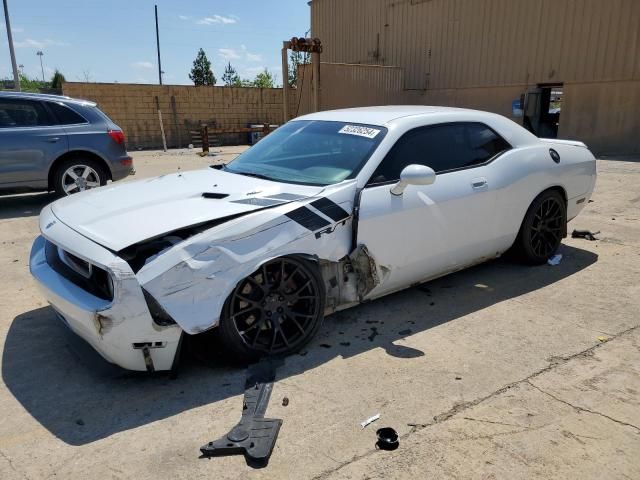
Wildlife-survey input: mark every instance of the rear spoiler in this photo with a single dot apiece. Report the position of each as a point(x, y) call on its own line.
point(563, 142)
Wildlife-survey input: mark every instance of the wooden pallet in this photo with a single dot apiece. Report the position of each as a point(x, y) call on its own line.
point(215, 133)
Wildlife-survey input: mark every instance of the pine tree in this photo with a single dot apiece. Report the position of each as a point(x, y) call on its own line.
point(296, 59)
point(264, 80)
point(230, 77)
point(57, 80)
point(201, 73)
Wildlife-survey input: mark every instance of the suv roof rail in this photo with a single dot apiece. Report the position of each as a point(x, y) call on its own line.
point(49, 96)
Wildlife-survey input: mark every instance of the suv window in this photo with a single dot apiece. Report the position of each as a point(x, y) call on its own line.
point(65, 115)
point(22, 113)
point(442, 147)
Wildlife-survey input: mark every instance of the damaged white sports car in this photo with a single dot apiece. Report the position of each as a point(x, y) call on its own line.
point(331, 209)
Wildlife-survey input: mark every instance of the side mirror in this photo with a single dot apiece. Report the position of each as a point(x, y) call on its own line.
point(414, 175)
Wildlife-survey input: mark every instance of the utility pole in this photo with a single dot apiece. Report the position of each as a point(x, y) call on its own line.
point(158, 47)
point(12, 52)
point(40, 54)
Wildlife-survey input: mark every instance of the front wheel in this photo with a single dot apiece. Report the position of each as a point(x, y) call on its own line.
point(274, 311)
point(543, 227)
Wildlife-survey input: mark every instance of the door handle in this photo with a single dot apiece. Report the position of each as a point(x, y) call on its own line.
point(478, 183)
point(53, 139)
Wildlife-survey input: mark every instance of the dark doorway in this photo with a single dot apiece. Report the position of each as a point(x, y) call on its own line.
point(542, 107)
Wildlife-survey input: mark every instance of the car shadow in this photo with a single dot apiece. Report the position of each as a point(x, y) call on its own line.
point(24, 205)
point(79, 405)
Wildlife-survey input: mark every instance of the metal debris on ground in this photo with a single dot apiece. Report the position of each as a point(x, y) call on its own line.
point(254, 436)
point(370, 420)
point(387, 439)
point(555, 260)
point(586, 234)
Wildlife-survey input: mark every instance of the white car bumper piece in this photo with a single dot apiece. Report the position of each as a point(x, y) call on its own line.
point(121, 328)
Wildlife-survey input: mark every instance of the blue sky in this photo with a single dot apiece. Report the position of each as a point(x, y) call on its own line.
point(114, 40)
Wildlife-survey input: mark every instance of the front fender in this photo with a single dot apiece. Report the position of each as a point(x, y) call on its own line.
point(193, 280)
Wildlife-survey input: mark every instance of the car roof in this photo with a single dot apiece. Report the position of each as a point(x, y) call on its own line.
point(382, 115)
point(411, 116)
point(44, 96)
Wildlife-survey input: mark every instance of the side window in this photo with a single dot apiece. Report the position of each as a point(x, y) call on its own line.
point(65, 115)
point(442, 147)
point(22, 113)
point(484, 143)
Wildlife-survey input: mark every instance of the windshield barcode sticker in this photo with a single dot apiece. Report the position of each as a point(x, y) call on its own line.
point(360, 131)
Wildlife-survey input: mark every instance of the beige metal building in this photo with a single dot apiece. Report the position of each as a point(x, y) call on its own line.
point(569, 68)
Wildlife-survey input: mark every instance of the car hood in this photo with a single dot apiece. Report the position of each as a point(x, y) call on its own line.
point(117, 216)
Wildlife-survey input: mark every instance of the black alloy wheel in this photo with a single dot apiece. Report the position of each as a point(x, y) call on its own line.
point(544, 227)
point(274, 311)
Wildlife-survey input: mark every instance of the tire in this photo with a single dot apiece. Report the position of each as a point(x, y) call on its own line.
point(90, 173)
point(543, 227)
point(275, 311)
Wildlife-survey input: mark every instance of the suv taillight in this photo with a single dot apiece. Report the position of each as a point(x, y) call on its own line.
point(117, 136)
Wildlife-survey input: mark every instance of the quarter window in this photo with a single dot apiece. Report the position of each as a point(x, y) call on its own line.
point(22, 113)
point(65, 115)
point(443, 147)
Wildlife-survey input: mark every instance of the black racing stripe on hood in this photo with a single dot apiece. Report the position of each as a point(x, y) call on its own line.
point(332, 210)
point(308, 219)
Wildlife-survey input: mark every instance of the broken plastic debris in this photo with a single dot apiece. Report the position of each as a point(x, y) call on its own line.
point(387, 439)
point(555, 260)
point(586, 234)
point(370, 420)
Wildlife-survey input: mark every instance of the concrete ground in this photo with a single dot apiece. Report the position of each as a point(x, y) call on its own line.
point(500, 371)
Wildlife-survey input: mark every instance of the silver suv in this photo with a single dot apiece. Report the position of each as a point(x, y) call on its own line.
point(55, 143)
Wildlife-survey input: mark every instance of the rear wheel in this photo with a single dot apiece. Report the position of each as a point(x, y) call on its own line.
point(543, 227)
point(77, 175)
point(274, 311)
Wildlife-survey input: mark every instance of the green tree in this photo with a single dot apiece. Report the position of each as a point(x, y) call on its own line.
point(31, 85)
point(57, 80)
point(201, 73)
point(230, 77)
point(238, 82)
point(264, 80)
point(296, 59)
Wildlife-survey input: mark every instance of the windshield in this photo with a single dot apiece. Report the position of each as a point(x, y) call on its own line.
point(310, 152)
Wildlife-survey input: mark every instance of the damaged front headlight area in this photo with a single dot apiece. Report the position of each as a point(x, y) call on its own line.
point(91, 278)
point(158, 314)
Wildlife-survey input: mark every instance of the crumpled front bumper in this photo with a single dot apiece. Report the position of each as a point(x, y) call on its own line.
point(118, 329)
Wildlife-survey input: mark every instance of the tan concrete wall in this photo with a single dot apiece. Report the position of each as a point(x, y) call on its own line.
point(604, 115)
point(133, 108)
point(484, 54)
point(344, 86)
point(470, 43)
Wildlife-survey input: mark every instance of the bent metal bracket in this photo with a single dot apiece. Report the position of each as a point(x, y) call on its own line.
point(254, 436)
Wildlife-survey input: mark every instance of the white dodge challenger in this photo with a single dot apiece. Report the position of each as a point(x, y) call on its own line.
point(330, 210)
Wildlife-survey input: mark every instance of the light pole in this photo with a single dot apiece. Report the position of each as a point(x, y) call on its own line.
point(12, 52)
point(158, 47)
point(21, 67)
point(40, 54)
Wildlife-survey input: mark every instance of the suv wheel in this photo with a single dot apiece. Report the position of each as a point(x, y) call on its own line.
point(77, 175)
